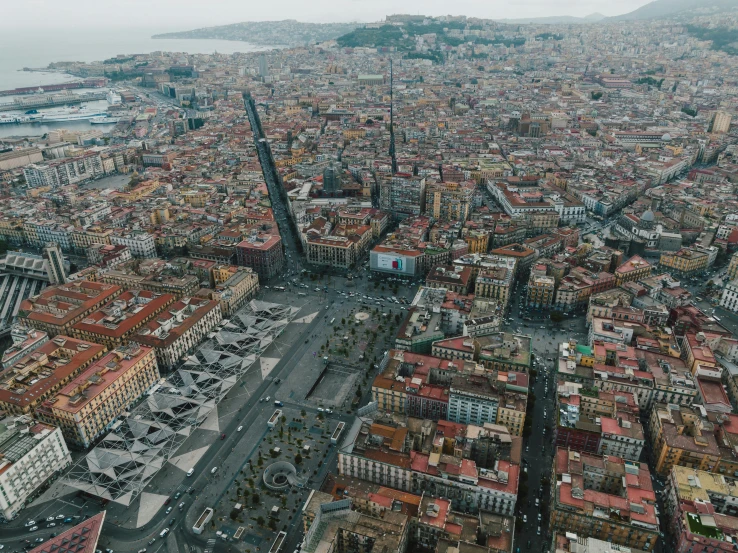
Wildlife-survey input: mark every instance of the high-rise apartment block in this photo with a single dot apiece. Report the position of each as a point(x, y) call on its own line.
point(719, 122)
point(55, 266)
point(402, 195)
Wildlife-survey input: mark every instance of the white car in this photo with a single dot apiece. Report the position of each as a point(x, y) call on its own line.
point(239, 429)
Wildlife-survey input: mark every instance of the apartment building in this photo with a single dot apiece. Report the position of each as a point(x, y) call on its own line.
point(680, 435)
point(334, 525)
point(390, 394)
point(390, 387)
point(380, 453)
point(449, 201)
point(83, 238)
point(24, 342)
point(494, 283)
point(732, 271)
point(522, 254)
point(403, 195)
point(120, 319)
point(32, 454)
point(62, 172)
point(27, 383)
point(702, 510)
point(233, 293)
point(729, 297)
point(333, 251)
point(635, 269)
point(719, 122)
point(686, 261)
point(541, 291)
point(140, 243)
point(453, 278)
point(153, 276)
point(420, 329)
point(602, 304)
point(570, 542)
point(180, 327)
point(87, 406)
point(107, 256)
point(484, 318)
point(39, 232)
point(263, 253)
point(500, 351)
point(587, 490)
point(473, 399)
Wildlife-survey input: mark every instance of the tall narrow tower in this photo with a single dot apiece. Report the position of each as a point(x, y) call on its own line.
point(54, 263)
point(392, 123)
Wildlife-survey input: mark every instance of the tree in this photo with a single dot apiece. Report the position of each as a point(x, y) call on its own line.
point(255, 499)
point(557, 316)
point(272, 525)
point(358, 392)
point(260, 520)
point(298, 459)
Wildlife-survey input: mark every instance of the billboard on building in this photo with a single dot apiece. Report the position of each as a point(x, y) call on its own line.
point(392, 263)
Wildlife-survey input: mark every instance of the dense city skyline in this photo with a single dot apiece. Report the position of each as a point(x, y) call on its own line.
point(419, 285)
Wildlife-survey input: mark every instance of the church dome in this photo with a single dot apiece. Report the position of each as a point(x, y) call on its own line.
point(666, 137)
point(648, 217)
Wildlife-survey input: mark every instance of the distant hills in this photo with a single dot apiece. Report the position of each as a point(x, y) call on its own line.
point(676, 8)
point(554, 20)
point(658, 9)
point(288, 32)
point(295, 33)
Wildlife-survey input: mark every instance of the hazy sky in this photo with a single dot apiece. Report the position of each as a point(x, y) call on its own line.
point(186, 14)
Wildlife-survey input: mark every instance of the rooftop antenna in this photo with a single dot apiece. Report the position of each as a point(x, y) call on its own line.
point(392, 123)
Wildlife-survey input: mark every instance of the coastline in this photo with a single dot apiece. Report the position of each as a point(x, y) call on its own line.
point(265, 45)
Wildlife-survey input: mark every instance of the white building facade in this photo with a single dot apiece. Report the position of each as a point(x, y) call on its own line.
point(32, 454)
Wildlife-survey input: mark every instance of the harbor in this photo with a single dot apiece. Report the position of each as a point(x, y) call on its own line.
point(95, 82)
point(52, 100)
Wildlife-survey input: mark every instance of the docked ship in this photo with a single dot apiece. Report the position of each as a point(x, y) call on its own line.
point(113, 98)
point(67, 114)
point(104, 120)
point(16, 119)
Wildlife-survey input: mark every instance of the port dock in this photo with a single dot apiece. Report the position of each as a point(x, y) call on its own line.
point(51, 100)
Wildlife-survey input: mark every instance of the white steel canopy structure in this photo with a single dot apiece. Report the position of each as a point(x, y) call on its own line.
point(128, 458)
